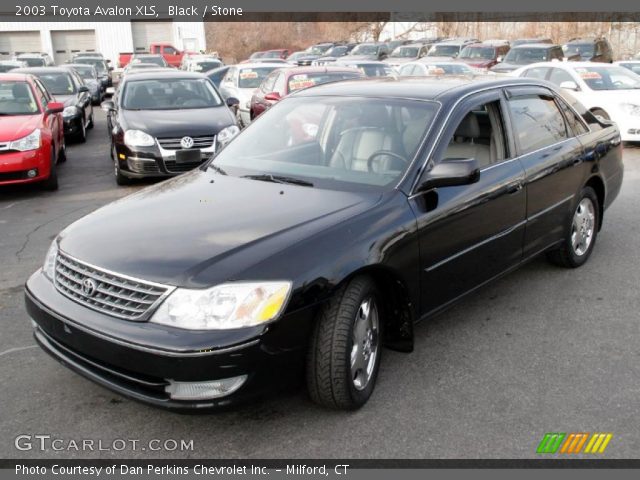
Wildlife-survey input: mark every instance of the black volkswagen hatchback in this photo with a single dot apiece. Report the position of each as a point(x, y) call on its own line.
point(346, 213)
point(164, 123)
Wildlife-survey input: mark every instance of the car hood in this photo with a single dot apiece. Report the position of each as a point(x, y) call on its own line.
point(174, 231)
point(360, 57)
point(66, 100)
point(176, 123)
point(14, 127)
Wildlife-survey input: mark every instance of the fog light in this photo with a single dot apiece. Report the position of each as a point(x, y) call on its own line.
point(204, 390)
point(32, 173)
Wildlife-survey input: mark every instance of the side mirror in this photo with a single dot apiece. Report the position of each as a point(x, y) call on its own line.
point(570, 85)
point(451, 172)
point(233, 102)
point(111, 69)
point(83, 89)
point(272, 97)
point(55, 107)
point(108, 106)
point(499, 59)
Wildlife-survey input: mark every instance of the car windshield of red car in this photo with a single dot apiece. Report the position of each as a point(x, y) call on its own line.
point(16, 98)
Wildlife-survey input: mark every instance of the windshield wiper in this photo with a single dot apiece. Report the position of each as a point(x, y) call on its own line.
point(268, 177)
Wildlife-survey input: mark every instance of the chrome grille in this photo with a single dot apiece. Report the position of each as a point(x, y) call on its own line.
point(115, 295)
point(202, 141)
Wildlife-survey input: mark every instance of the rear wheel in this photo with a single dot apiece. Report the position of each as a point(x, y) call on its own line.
point(90, 123)
point(581, 232)
point(344, 355)
point(81, 136)
point(62, 154)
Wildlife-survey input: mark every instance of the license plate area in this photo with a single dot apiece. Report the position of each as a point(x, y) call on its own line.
point(188, 156)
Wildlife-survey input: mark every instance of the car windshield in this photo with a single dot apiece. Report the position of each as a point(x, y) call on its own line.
point(58, 83)
point(365, 50)
point(342, 143)
point(271, 55)
point(169, 94)
point(482, 53)
point(405, 52)
point(336, 51)
point(157, 59)
point(86, 73)
point(306, 80)
point(252, 77)
point(16, 98)
point(205, 65)
point(96, 62)
point(634, 67)
point(6, 67)
point(608, 78)
point(444, 51)
point(525, 56)
point(584, 50)
point(33, 61)
point(318, 49)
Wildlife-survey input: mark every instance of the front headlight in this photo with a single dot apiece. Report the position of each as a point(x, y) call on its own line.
point(49, 267)
point(70, 111)
point(138, 138)
point(30, 142)
point(631, 109)
point(226, 134)
point(230, 305)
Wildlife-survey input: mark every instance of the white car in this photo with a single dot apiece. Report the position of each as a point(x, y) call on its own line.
point(241, 80)
point(202, 63)
point(611, 91)
point(633, 65)
point(430, 68)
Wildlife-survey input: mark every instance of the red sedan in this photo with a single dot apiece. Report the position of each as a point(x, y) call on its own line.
point(282, 82)
point(31, 132)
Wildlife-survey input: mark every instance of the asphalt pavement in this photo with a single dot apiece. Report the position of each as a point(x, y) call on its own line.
point(541, 350)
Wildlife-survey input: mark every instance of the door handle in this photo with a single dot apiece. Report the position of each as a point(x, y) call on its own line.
point(514, 188)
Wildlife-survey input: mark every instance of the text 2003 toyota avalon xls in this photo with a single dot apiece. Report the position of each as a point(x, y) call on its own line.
point(320, 234)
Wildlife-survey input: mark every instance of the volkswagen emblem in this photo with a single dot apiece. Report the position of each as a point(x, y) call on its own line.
point(89, 287)
point(186, 142)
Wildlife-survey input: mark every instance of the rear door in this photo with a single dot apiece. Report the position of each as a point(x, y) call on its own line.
point(551, 155)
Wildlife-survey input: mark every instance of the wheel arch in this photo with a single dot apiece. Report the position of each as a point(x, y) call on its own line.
point(399, 307)
point(598, 186)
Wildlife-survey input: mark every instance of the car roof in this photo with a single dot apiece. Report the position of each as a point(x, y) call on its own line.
point(36, 70)
point(570, 65)
point(14, 77)
point(320, 69)
point(536, 45)
point(442, 88)
point(161, 73)
point(260, 64)
point(147, 55)
point(72, 65)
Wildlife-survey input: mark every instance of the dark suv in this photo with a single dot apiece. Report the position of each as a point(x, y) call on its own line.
point(588, 50)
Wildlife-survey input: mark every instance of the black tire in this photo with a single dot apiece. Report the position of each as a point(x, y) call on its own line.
point(62, 154)
point(51, 183)
point(90, 124)
point(566, 255)
point(329, 372)
point(600, 112)
point(120, 178)
point(81, 136)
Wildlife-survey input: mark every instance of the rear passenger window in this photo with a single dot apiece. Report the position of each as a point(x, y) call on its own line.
point(558, 76)
point(537, 122)
point(575, 123)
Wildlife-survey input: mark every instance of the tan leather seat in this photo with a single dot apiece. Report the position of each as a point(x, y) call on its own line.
point(464, 143)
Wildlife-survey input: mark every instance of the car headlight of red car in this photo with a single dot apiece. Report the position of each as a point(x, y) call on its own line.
point(30, 142)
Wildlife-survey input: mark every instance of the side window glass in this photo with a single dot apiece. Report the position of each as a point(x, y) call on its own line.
point(537, 72)
point(575, 123)
point(558, 76)
point(537, 122)
point(43, 91)
point(480, 135)
point(267, 85)
point(280, 85)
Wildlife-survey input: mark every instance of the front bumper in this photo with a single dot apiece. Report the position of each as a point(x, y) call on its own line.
point(15, 165)
point(155, 161)
point(138, 359)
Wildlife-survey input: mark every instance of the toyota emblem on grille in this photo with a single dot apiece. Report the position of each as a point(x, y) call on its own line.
point(89, 287)
point(186, 142)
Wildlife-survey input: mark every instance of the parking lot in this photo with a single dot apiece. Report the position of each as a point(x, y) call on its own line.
point(541, 350)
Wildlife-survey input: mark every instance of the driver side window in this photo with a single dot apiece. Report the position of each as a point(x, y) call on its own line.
point(480, 135)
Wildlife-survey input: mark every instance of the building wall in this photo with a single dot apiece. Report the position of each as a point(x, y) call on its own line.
point(111, 37)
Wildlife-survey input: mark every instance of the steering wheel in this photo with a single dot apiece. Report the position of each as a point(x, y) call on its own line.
point(380, 153)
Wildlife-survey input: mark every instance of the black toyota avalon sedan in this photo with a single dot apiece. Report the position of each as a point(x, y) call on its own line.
point(164, 123)
point(68, 88)
point(320, 234)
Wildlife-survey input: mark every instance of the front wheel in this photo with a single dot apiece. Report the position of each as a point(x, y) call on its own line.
point(581, 232)
point(120, 178)
point(51, 183)
point(344, 355)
